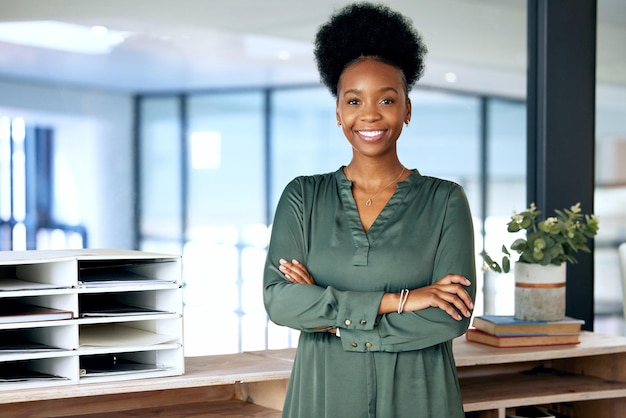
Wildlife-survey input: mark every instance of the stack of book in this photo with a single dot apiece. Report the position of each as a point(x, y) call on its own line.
point(506, 331)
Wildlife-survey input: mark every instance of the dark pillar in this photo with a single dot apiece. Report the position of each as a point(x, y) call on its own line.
point(561, 123)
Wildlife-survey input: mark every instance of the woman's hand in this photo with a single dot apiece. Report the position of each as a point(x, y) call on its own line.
point(447, 294)
point(295, 272)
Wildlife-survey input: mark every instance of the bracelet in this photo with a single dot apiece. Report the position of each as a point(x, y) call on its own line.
point(404, 295)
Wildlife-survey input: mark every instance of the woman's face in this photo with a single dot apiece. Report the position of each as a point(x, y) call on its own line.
point(372, 106)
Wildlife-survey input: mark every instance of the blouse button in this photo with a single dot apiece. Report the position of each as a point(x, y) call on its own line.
point(353, 344)
point(368, 345)
point(363, 322)
point(348, 322)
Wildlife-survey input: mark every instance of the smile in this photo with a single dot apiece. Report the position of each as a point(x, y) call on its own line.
point(370, 135)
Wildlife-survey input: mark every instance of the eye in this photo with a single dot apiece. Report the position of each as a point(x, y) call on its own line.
point(353, 101)
point(387, 101)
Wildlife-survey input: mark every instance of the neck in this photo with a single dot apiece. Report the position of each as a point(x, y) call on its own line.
point(372, 177)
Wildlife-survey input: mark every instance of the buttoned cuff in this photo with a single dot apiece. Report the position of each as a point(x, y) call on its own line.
point(361, 341)
point(358, 310)
point(357, 319)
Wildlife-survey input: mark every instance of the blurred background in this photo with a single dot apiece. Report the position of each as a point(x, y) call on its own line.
point(173, 126)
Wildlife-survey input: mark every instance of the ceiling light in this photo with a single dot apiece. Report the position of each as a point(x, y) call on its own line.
point(62, 36)
point(99, 30)
point(450, 77)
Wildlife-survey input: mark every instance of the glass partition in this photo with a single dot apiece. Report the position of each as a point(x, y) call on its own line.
point(226, 228)
point(610, 192)
point(160, 172)
point(505, 193)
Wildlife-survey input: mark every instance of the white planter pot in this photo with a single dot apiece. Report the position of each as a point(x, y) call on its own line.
point(539, 292)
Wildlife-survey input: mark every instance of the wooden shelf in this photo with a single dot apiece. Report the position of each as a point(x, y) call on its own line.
point(246, 384)
point(216, 409)
point(200, 372)
point(134, 408)
point(469, 354)
point(519, 389)
point(588, 377)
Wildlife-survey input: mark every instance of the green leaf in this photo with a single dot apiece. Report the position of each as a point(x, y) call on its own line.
point(513, 227)
point(519, 245)
point(527, 222)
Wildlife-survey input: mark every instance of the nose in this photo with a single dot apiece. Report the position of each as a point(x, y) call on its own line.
point(369, 112)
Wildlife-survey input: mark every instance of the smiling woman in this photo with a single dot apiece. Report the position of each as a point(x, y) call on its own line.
point(373, 263)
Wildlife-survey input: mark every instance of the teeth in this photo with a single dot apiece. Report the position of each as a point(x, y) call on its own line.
point(370, 133)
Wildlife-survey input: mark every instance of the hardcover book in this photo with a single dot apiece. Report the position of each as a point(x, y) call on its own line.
point(481, 337)
point(502, 325)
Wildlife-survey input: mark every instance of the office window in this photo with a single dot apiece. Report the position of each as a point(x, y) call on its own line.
point(443, 138)
point(610, 192)
point(226, 229)
point(32, 200)
point(305, 138)
point(12, 183)
point(160, 173)
point(505, 193)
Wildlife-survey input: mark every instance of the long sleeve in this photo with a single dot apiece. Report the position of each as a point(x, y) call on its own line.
point(305, 307)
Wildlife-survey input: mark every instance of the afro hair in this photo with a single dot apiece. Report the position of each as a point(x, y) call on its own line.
point(368, 30)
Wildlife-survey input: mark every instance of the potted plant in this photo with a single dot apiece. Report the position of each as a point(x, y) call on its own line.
point(540, 269)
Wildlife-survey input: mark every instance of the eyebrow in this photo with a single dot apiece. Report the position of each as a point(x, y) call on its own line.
point(382, 90)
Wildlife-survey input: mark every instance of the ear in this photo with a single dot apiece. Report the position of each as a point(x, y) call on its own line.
point(409, 109)
point(337, 115)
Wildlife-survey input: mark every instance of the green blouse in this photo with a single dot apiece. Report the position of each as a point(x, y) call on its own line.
point(386, 366)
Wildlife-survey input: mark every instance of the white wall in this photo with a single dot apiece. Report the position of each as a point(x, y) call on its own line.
point(94, 154)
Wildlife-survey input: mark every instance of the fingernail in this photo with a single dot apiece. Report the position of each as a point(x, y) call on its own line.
point(295, 261)
point(282, 261)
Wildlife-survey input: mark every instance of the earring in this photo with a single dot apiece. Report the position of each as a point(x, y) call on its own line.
point(338, 123)
point(406, 122)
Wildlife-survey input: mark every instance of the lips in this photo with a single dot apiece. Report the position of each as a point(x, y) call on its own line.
point(371, 135)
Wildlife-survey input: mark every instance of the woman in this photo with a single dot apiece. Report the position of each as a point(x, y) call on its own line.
point(374, 263)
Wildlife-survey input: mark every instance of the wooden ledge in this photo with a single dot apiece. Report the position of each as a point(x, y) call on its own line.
point(467, 354)
point(254, 383)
